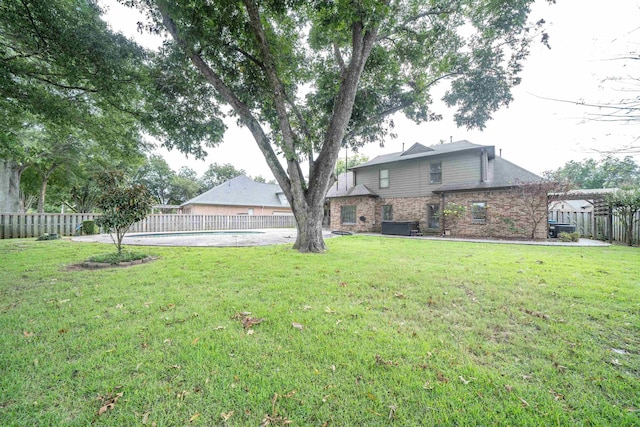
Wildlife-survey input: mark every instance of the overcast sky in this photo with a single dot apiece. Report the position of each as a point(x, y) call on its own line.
point(587, 39)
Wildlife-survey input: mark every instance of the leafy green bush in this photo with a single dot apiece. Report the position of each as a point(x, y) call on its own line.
point(89, 226)
point(47, 236)
point(122, 204)
point(569, 237)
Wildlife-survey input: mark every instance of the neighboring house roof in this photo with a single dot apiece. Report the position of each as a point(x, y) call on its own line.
point(504, 174)
point(242, 191)
point(344, 187)
point(417, 151)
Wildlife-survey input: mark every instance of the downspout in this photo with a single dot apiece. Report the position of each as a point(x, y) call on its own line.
point(443, 222)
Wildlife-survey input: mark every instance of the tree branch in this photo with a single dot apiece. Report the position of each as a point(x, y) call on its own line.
point(239, 107)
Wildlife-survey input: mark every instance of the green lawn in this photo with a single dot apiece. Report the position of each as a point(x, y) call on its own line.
point(377, 331)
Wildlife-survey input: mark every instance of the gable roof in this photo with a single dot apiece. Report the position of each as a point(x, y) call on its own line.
point(344, 187)
point(242, 191)
point(417, 151)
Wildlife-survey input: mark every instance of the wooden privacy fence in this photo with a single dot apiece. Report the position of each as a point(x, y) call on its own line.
point(34, 225)
point(598, 229)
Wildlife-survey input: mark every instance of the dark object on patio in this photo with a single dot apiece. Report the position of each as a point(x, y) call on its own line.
point(556, 229)
point(400, 228)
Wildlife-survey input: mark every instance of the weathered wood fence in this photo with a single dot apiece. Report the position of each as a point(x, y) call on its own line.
point(598, 229)
point(33, 225)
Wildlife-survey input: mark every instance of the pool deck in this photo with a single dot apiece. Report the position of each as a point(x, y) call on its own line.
point(272, 236)
point(288, 235)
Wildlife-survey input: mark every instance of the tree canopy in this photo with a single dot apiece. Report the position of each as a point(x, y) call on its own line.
point(307, 78)
point(608, 172)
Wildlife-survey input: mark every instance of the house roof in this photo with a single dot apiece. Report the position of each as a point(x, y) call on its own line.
point(505, 174)
point(242, 191)
point(417, 151)
point(344, 187)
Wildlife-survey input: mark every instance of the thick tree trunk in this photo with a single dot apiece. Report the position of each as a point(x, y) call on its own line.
point(309, 225)
point(10, 186)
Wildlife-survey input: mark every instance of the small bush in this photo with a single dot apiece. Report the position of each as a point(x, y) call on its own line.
point(47, 236)
point(89, 226)
point(569, 237)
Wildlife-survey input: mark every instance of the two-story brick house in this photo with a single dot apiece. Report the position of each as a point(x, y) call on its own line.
point(417, 184)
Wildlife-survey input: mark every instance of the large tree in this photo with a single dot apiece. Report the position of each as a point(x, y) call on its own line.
point(61, 68)
point(308, 77)
point(608, 172)
point(217, 174)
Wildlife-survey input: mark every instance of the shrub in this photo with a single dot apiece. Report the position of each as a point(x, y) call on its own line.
point(89, 226)
point(122, 204)
point(569, 237)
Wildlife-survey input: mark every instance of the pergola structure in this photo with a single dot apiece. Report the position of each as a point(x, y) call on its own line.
point(596, 197)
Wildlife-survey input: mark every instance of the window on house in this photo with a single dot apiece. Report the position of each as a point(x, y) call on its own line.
point(479, 212)
point(434, 216)
point(250, 211)
point(435, 176)
point(384, 178)
point(348, 214)
point(387, 213)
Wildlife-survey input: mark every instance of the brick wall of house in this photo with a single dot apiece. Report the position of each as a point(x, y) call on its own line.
point(233, 210)
point(366, 207)
point(506, 215)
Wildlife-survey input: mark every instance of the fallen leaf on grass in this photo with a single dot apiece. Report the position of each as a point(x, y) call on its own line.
point(465, 382)
point(227, 415)
point(307, 307)
point(250, 332)
point(108, 402)
point(248, 322)
point(218, 328)
point(524, 402)
point(392, 411)
point(556, 395)
point(399, 295)
point(508, 388)
point(119, 305)
point(380, 361)
point(240, 315)
point(27, 333)
point(343, 285)
point(442, 378)
point(297, 326)
point(195, 341)
point(329, 310)
point(615, 362)
point(194, 417)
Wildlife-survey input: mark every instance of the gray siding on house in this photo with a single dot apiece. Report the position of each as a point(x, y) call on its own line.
point(410, 178)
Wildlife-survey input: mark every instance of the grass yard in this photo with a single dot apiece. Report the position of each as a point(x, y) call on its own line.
point(377, 331)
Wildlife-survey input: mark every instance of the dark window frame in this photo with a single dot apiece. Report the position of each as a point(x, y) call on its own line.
point(479, 212)
point(383, 179)
point(387, 212)
point(347, 217)
point(435, 173)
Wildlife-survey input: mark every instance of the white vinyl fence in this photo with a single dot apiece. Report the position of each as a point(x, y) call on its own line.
point(34, 225)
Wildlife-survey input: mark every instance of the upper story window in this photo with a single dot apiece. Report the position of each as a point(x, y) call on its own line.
point(479, 212)
point(435, 176)
point(384, 178)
